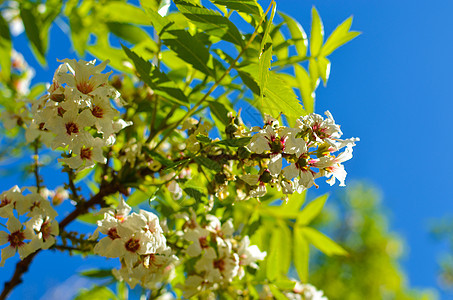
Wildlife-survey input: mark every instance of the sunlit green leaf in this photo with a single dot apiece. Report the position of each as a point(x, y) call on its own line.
point(322, 242)
point(5, 49)
point(122, 12)
point(340, 36)
point(96, 293)
point(323, 68)
point(297, 33)
point(317, 33)
point(301, 253)
point(210, 21)
point(305, 87)
point(245, 6)
point(280, 98)
point(294, 204)
point(157, 80)
point(313, 69)
point(128, 32)
point(186, 46)
point(312, 210)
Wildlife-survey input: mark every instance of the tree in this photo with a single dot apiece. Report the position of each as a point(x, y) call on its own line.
point(188, 198)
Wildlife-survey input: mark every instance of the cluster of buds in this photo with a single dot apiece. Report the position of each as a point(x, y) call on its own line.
point(310, 145)
point(218, 256)
point(137, 239)
point(37, 232)
point(77, 114)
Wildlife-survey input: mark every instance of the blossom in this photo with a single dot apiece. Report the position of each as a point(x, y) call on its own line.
point(21, 239)
point(46, 229)
point(248, 255)
point(8, 200)
point(86, 154)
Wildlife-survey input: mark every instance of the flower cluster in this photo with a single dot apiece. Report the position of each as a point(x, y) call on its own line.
point(77, 113)
point(310, 145)
point(40, 229)
point(219, 257)
point(305, 292)
point(137, 240)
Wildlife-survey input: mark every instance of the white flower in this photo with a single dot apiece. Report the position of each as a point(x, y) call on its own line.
point(46, 230)
point(331, 166)
point(35, 205)
point(222, 266)
point(17, 239)
point(248, 255)
point(85, 77)
point(8, 200)
point(69, 128)
point(88, 152)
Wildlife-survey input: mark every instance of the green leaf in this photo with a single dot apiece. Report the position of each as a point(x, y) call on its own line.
point(264, 65)
point(137, 197)
point(276, 293)
point(117, 11)
point(340, 36)
point(220, 112)
point(194, 193)
point(245, 6)
point(290, 61)
point(157, 80)
point(280, 98)
point(96, 293)
point(210, 22)
point(97, 273)
point(89, 218)
point(322, 242)
point(297, 33)
point(204, 139)
point(314, 72)
point(312, 210)
point(239, 142)
point(305, 87)
point(265, 54)
point(130, 33)
point(79, 30)
point(31, 26)
point(301, 254)
point(279, 258)
point(5, 49)
point(186, 46)
point(323, 68)
point(317, 33)
point(208, 163)
point(294, 204)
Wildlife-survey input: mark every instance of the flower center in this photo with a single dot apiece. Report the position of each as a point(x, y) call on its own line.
point(219, 264)
point(203, 242)
point(277, 145)
point(45, 230)
point(85, 153)
point(84, 87)
point(5, 202)
point(71, 128)
point(132, 245)
point(113, 233)
point(97, 111)
point(61, 111)
point(16, 239)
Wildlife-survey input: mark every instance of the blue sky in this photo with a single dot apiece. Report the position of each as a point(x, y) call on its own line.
point(392, 87)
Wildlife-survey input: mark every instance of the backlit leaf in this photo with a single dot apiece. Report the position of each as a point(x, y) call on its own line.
point(297, 33)
point(322, 242)
point(340, 36)
point(317, 33)
point(312, 210)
